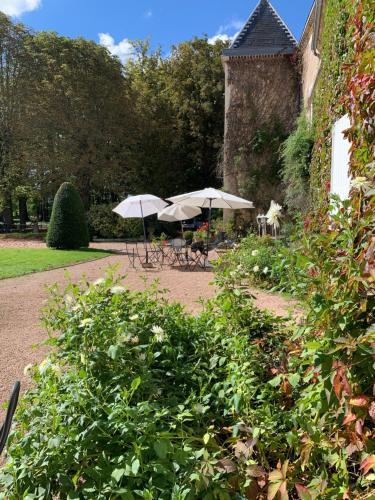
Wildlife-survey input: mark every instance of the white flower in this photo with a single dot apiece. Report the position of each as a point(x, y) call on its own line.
point(83, 358)
point(134, 340)
point(273, 215)
point(44, 365)
point(126, 337)
point(56, 370)
point(360, 183)
point(142, 356)
point(134, 317)
point(198, 408)
point(254, 253)
point(99, 281)
point(157, 329)
point(27, 369)
point(256, 269)
point(86, 322)
point(265, 270)
point(118, 290)
point(69, 300)
point(159, 333)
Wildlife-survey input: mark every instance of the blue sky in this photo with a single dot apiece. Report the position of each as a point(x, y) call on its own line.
point(165, 22)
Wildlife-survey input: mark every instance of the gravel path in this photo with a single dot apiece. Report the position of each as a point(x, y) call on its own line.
point(21, 300)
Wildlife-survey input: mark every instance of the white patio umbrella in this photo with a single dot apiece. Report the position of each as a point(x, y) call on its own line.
point(211, 198)
point(175, 213)
point(140, 206)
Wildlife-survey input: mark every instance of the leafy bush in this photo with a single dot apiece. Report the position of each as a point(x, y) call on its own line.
point(104, 223)
point(296, 154)
point(68, 225)
point(265, 262)
point(188, 236)
point(139, 399)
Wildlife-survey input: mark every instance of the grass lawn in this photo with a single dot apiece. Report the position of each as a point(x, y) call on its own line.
point(20, 261)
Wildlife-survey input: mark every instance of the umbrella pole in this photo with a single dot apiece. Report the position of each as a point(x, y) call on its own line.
point(144, 232)
point(143, 221)
point(209, 223)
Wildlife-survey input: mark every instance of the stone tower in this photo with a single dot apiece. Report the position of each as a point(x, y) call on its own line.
point(262, 101)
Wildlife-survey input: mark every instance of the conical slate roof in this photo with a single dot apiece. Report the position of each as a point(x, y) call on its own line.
point(264, 34)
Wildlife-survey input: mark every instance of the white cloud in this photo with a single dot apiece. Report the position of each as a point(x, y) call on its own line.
point(148, 14)
point(18, 7)
point(124, 50)
point(223, 37)
point(225, 32)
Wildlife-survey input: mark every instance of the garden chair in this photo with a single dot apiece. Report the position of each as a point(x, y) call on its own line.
point(199, 256)
point(141, 255)
point(5, 429)
point(132, 253)
point(179, 252)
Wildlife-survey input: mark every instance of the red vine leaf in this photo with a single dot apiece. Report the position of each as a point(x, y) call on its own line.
point(303, 492)
point(367, 464)
point(359, 401)
point(371, 411)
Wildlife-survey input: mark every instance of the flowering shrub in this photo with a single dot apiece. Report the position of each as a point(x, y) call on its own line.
point(264, 262)
point(141, 400)
point(201, 232)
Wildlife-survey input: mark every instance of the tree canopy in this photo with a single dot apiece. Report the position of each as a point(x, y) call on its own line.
point(70, 111)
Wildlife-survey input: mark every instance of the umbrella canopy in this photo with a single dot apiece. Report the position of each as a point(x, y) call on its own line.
point(140, 206)
point(175, 213)
point(211, 198)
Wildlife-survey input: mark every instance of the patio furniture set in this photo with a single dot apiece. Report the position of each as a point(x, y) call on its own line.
point(184, 207)
point(175, 253)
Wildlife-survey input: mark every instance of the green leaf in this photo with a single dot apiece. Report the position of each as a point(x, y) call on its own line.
point(206, 438)
point(161, 449)
point(114, 352)
point(294, 379)
point(135, 466)
point(117, 474)
point(135, 384)
point(275, 381)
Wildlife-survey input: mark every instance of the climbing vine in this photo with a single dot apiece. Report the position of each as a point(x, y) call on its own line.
point(331, 86)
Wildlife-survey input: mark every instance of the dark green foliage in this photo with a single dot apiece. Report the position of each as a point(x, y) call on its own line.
point(104, 223)
point(178, 117)
point(188, 236)
point(68, 226)
point(296, 154)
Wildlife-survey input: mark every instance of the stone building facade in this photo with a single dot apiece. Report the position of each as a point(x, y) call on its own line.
point(309, 48)
point(268, 78)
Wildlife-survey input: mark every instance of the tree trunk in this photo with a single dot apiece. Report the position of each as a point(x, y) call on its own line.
point(8, 212)
point(24, 216)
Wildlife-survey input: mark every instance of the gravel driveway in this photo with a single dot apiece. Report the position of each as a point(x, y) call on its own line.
point(21, 300)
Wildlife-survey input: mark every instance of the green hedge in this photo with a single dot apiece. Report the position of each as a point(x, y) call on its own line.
point(104, 223)
point(68, 225)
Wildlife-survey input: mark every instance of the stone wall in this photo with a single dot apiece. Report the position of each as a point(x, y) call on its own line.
point(261, 106)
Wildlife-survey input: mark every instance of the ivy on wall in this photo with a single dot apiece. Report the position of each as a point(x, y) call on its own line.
point(340, 249)
point(296, 156)
point(331, 86)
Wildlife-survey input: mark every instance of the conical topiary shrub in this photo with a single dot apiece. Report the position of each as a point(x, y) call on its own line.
point(68, 225)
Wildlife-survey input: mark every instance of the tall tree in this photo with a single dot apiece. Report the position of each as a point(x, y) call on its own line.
point(14, 91)
point(179, 117)
point(81, 115)
point(195, 84)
